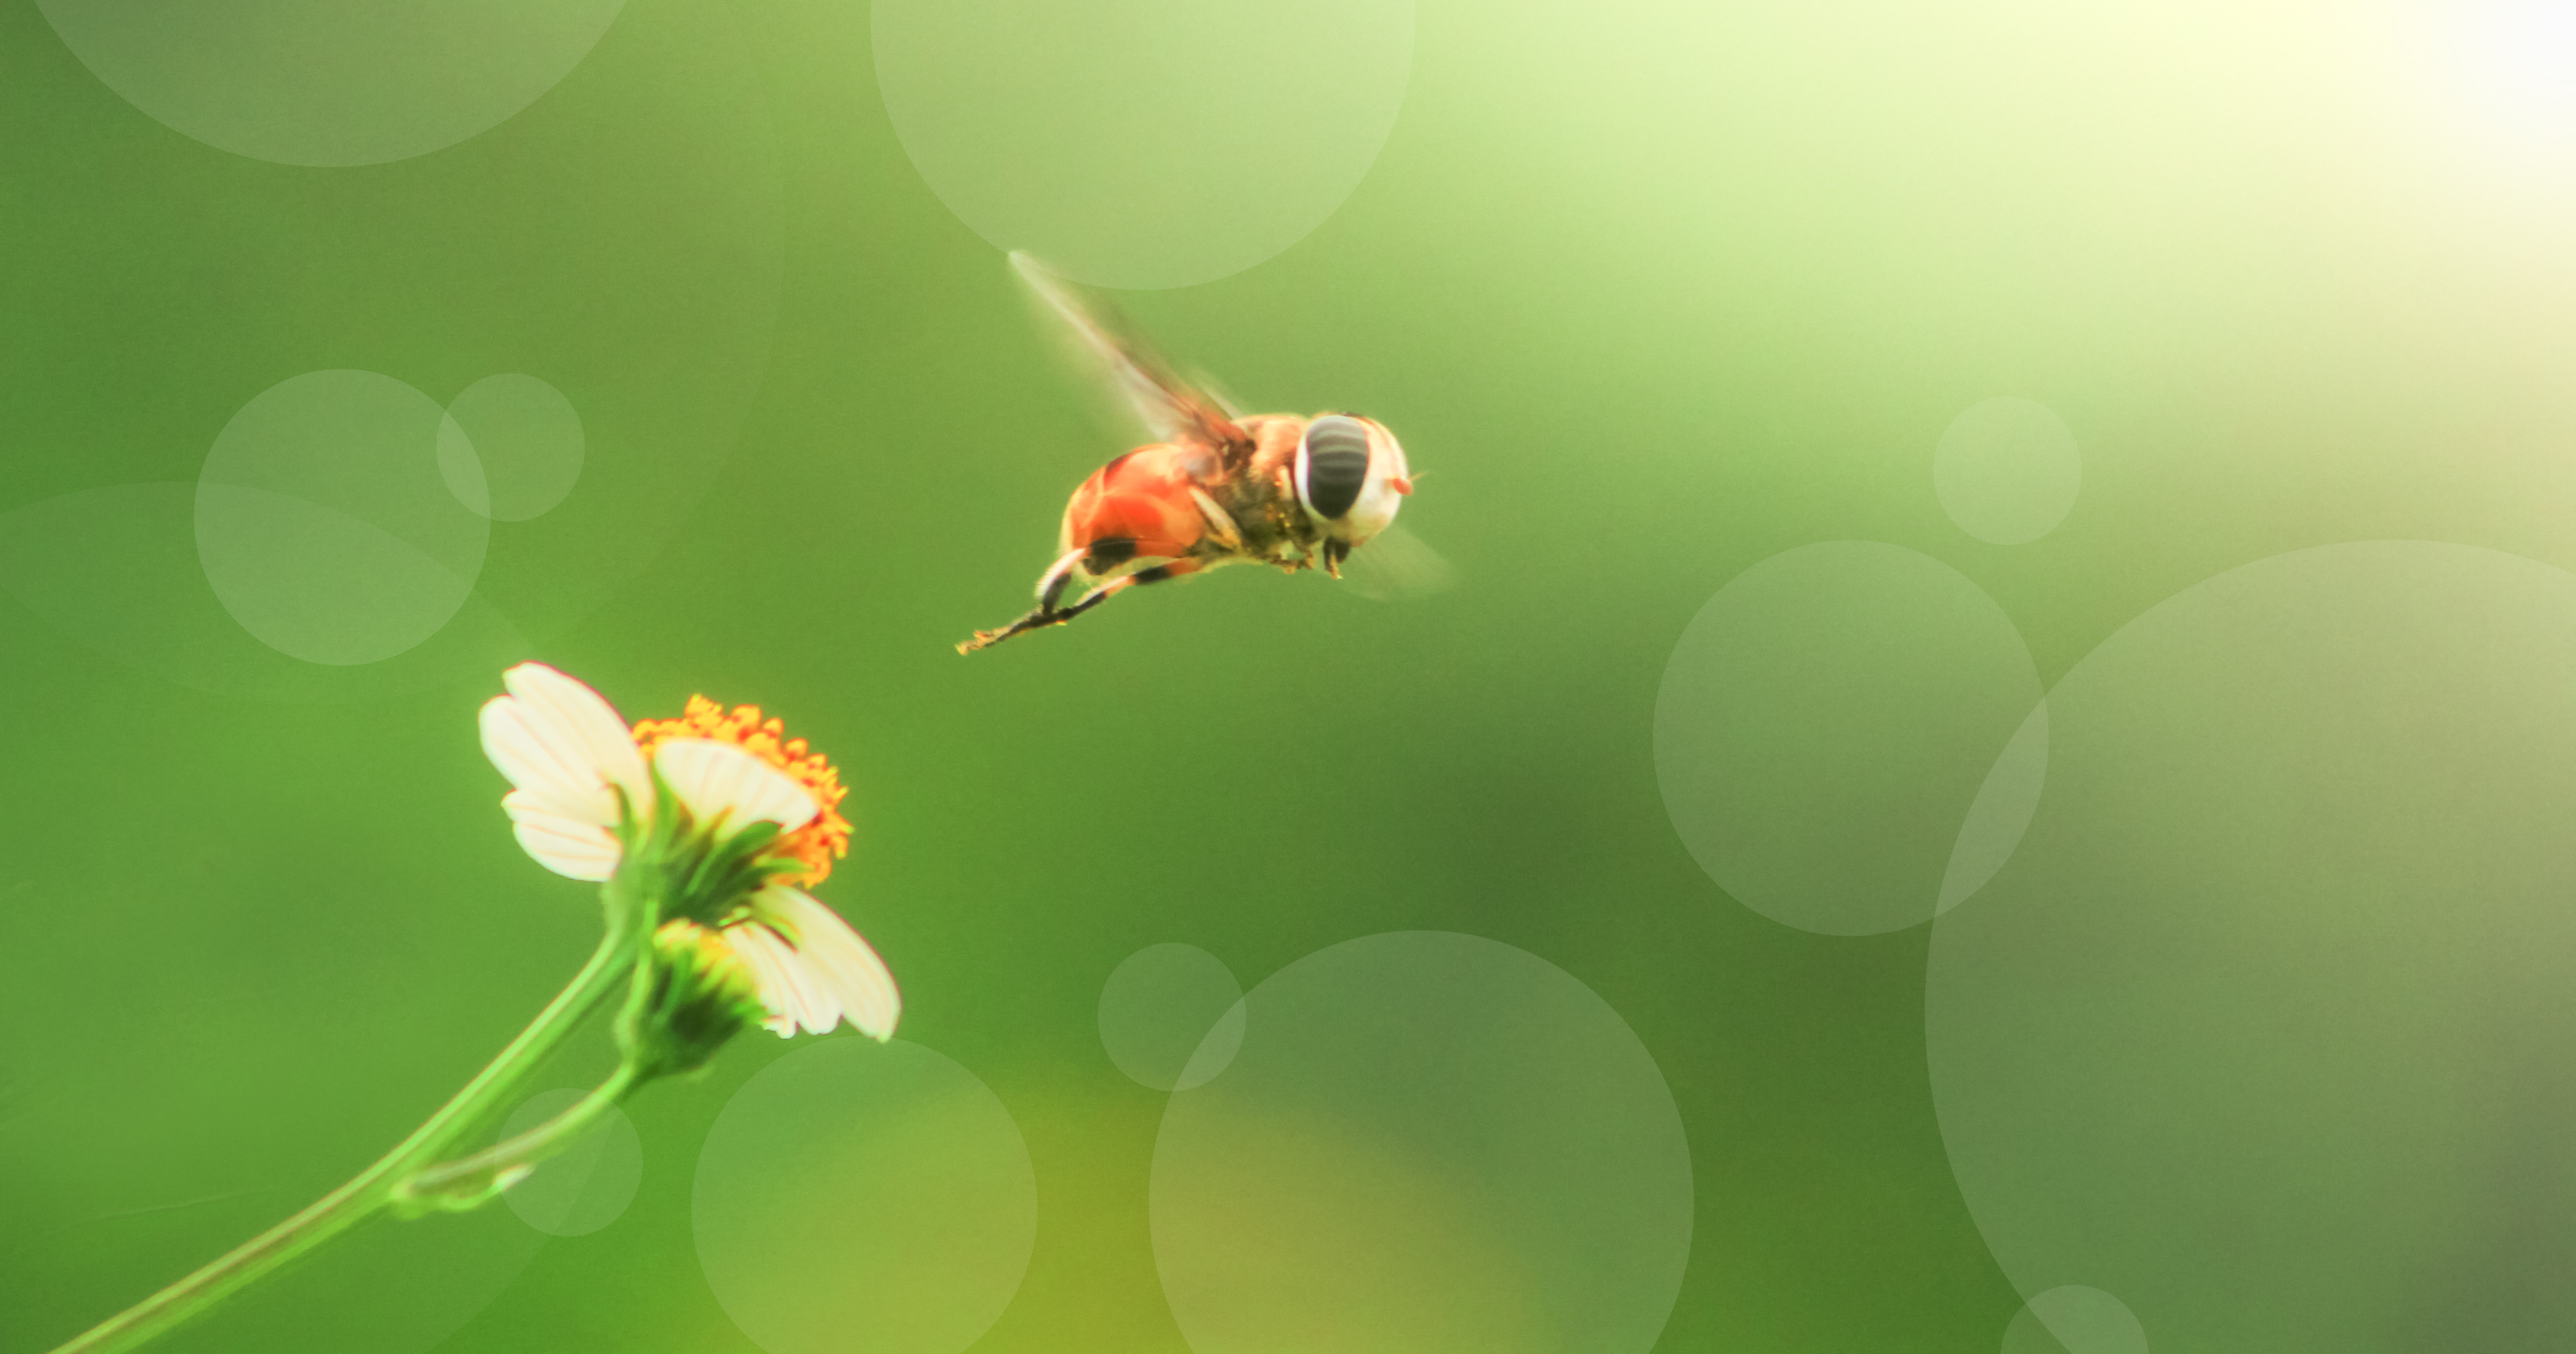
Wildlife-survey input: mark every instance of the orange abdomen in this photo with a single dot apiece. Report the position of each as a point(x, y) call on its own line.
point(1143, 496)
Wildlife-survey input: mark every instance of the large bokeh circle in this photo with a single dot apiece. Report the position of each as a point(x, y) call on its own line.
point(1152, 143)
point(856, 1196)
point(328, 83)
point(1424, 1142)
point(2265, 1027)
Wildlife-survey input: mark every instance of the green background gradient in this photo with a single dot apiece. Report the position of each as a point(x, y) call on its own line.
point(1654, 292)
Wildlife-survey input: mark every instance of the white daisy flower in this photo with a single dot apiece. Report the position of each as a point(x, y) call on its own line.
point(569, 756)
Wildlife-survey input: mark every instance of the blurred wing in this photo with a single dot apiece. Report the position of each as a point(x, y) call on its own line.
point(1174, 410)
point(1218, 395)
point(1395, 566)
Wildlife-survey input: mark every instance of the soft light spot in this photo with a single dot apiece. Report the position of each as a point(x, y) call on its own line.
point(1170, 1016)
point(862, 1196)
point(321, 82)
point(1156, 143)
point(2007, 470)
point(324, 524)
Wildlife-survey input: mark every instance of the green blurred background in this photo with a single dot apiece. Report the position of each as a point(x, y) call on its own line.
point(1655, 292)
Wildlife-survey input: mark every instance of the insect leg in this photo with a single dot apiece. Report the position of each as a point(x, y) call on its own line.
point(985, 639)
point(1046, 615)
point(1051, 584)
point(1218, 519)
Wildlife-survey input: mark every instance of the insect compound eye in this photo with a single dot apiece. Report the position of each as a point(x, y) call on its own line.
point(1333, 465)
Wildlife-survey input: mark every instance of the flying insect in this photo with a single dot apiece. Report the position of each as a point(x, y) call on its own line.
point(1217, 487)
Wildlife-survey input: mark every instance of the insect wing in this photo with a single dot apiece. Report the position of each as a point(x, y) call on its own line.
point(1395, 566)
point(1174, 410)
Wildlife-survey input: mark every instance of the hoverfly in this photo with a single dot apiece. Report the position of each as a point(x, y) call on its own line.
point(1217, 488)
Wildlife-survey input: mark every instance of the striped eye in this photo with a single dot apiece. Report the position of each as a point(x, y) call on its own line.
point(1332, 465)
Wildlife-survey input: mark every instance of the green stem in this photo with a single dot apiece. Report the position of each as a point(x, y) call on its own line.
point(378, 1185)
point(468, 1181)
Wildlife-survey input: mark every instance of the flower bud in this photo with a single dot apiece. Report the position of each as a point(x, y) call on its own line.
point(692, 993)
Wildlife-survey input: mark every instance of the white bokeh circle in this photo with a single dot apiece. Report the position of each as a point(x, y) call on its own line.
point(316, 82)
point(324, 524)
point(1102, 139)
point(587, 1185)
point(862, 1196)
point(2264, 1026)
point(1427, 1142)
point(664, 376)
point(2074, 1319)
point(1158, 1009)
point(1831, 731)
point(2007, 470)
point(514, 450)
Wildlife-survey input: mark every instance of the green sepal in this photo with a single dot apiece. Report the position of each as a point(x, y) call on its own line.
point(681, 1012)
point(673, 867)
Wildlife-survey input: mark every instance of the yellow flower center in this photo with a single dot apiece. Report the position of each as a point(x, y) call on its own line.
point(815, 845)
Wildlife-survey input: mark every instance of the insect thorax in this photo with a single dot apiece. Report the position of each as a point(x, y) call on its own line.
point(1264, 504)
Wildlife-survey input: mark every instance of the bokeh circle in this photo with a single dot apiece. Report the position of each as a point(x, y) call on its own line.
point(533, 270)
point(1160, 1005)
point(587, 1185)
point(516, 448)
point(314, 82)
point(2007, 470)
point(863, 1196)
point(1100, 139)
point(2265, 1026)
point(2074, 1319)
point(324, 524)
point(1831, 737)
point(1426, 1142)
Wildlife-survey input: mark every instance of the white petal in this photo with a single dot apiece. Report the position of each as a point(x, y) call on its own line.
point(547, 761)
point(766, 979)
point(573, 850)
point(596, 808)
point(720, 781)
point(586, 722)
point(818, 1012)
point(768, 982)
point(550, 755)
point(774, 971)
point(514, 738)
point(544, 813)
point(815, 1004)
point(859, 981)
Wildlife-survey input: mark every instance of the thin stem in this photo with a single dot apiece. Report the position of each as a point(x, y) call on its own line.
point(470, 1180)
point(376, 1186)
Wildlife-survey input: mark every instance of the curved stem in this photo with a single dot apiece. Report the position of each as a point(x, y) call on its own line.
point(468, 1181)
point(376, 1186)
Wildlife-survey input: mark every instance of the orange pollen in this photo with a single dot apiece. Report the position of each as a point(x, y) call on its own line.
point(815, 845)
